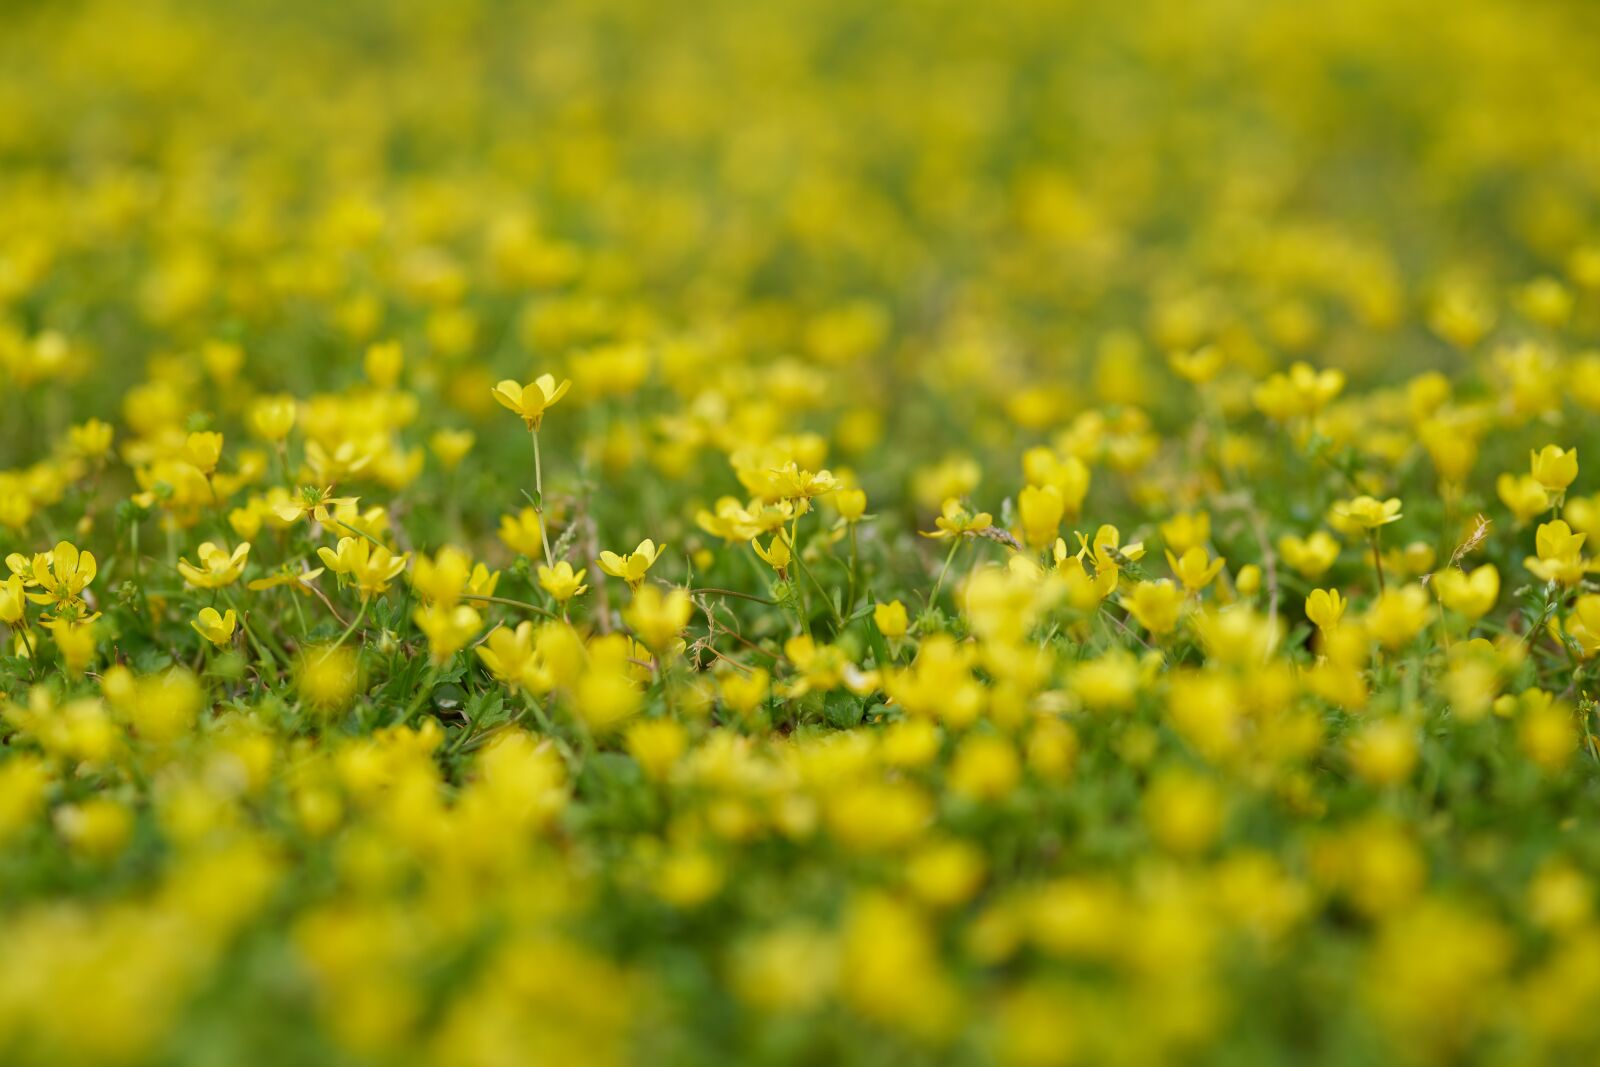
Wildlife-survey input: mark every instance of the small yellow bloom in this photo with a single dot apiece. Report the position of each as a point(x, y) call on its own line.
point(218, 567)
point(1559, 556)
point(1384, 752)
point(13, 600)
point(852, 504)
point(656, 617)
point(451, 446)
point(1473, 595)
point(562, 582)
point(511, 656)
point(531, 401)
point(1156, 606)
point(1398, 615)
point(371, 567)
point(383, 363)
point(75, 642)
point(955, 520)
point(1186, 530)
point(632, 567)
point(656, 744)
point(1325, 607)
point(447, 628)
point(1041, 509)
point(1554, 468)
point(777, 554)
point(272, 417)
point(1367, 512)
point(521, 533)
point(1248, 580)
point(1523, 495)
point(1197, 367)
point(890, 618)
point(1310, 556)
point(218, 629)
point(90, 439)
point(62, 574)
point(1193, 569)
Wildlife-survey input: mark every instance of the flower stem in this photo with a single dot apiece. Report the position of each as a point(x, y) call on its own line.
point(1377, 557)
point(538, 506)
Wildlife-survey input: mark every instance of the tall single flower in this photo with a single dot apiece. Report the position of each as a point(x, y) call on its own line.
point(531, 401)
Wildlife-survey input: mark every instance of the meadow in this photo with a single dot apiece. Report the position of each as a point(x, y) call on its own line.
point(1044, 533)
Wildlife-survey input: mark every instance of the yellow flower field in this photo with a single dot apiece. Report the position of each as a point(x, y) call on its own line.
point(1035, 533)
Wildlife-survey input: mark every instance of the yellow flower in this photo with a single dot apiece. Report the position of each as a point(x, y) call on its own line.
point(1473, 595)
point(443, 578)
point(1367, 512)
point(531, 401)
point(1248, 580)
point(890, 618)
point(1583, 624)
point(371, 567)
point(561, 582)
point(1559, 556)
point(218, 629)
point(13, 601)
point(327, 678)
point(656, 617)
point(203, 449)
point(75, 642)
point(90, 439)
point(511, 657)
point(656, 745)
point(520, 532)
point(1196, 367)
point(730, 521)
point(632, 567)
point(451, 446)
point(1398, 615)
point(1554, 468)
point(1325, 607)
point(218, 567)
point(954, 521)
point(272, 417)
point(382, 363)
point(1384, 752)
point(61, 574)
point(777, 554)
point(792, 482)
point(1186, 530)
point(447, 628)
point(1155, 605)
point(1183, 811)
point(1193, 569)
point(1041, 509)
point(302, 581)
point(1523, 495)
point(852, 504)
point(1310, 556)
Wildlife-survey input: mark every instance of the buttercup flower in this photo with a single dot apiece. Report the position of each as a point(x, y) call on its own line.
point(218, 629)
point(218, 566)
point(632, 567)
point(531, 401)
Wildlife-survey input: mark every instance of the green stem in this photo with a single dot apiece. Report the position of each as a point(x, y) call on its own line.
point(523, 604)
point(348, 630)
point(949, 558)
point(538, 507)
point(1377, 557)
point(850, 595)
point(799, 557)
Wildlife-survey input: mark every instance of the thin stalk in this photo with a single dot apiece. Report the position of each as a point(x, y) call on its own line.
point(538, 507)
